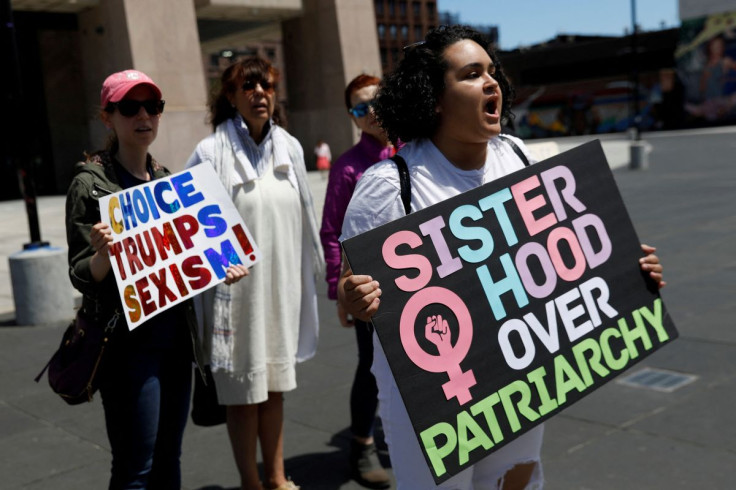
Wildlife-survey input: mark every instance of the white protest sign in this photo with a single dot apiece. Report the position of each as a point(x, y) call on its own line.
point(173, 238)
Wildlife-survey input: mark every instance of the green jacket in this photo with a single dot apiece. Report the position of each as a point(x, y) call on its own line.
point(92, 180)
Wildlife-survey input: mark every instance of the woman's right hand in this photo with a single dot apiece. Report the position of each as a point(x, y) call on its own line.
point(100, 238)
point(358, 295)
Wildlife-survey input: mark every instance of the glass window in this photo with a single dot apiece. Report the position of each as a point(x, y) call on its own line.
point(392, 7)
point(402, 8)
point(247, 52)
point(392, 30)
point(416, 8)
point(404, 32)
point(381, 31)
point(431, 9)
point(418, 34)
point(379, 7)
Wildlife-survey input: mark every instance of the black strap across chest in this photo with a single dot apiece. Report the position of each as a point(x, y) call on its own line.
point(404, 181)
point(516, 149)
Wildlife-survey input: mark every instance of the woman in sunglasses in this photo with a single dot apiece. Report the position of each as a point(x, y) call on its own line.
point(373, 147)
point(146, 383)
point(447, 100)
point(268, 323)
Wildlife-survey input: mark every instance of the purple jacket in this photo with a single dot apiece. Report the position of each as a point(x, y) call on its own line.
point(344, 176)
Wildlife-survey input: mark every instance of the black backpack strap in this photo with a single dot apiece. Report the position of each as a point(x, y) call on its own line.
point(404, 181)
point(516, 149)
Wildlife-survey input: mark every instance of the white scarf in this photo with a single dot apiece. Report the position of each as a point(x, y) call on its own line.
point(233, 167)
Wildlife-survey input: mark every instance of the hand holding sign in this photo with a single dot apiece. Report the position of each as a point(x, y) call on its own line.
point(100, 237)
point(235, 273)
point(650, 263)
point(171, 239)
point(359, 295)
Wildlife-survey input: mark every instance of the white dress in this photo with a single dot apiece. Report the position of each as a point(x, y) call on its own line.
point(256, 330)
point(265, 306)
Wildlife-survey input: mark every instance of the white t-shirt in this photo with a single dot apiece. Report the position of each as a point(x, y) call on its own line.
point(377, 199)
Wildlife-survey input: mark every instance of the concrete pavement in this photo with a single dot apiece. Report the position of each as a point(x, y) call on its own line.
point(618, 437)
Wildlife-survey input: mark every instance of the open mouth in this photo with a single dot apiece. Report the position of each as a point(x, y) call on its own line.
point(491, 107)
point(142, 130)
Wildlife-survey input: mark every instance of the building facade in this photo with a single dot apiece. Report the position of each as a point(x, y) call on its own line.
point(66, 49)
point(400, 23)
point(668, 79)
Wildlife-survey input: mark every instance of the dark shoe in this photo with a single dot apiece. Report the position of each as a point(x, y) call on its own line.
point(365, 466)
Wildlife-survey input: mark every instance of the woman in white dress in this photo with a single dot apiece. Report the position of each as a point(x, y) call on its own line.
point(260, 330)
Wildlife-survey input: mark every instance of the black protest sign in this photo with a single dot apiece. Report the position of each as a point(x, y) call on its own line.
point(508, 303)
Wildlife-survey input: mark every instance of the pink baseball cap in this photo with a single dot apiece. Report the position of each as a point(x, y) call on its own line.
point(118, 84)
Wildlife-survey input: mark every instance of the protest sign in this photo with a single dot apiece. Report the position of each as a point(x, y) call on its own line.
point(506, 304)
point(173, 238)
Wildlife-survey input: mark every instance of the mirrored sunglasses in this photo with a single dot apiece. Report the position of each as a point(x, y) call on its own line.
point(266, 86)
point(130, 108)
point(362, 109)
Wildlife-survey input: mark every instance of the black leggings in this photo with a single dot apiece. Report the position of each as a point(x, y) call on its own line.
point(364, 393)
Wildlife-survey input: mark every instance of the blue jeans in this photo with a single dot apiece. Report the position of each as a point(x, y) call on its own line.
point(145, 393)
point(364, 393)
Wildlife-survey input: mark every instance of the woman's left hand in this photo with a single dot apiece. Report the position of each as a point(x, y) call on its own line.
point(650, 263)
point(235, 273)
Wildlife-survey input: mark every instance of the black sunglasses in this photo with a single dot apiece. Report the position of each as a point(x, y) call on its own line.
point(266, 86)
point(130, 108)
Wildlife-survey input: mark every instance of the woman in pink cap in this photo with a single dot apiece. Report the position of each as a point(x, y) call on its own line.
point(146, 381)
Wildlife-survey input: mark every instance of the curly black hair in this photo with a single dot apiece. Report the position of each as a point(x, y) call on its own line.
point(407, 97)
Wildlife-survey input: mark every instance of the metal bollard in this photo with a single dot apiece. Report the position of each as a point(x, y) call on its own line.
point(639, 155)
point(41, 290)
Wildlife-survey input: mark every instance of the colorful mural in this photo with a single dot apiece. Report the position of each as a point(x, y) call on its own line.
point(592, 107)
point(697, 89)
point(705, 59)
